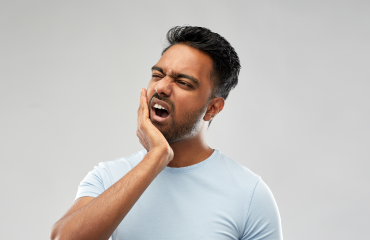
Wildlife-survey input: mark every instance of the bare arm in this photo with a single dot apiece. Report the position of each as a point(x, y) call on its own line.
point(97, 218)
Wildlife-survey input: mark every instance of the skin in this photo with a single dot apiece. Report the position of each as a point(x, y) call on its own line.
point(97, 218)
point(183, 59)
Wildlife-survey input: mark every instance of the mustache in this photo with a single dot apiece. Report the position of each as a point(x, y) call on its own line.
point(166, 100)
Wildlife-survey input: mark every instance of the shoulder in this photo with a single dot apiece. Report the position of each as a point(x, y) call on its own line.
point(105, 174)
point(263, 219)
point(260, 211)
point(239, 172)
point(120, 166)
point(260, 193)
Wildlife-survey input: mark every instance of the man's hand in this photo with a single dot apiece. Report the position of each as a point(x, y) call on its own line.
point(149, 136)
point(96, 218)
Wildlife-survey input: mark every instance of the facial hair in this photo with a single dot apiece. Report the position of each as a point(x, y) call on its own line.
point(175, 130)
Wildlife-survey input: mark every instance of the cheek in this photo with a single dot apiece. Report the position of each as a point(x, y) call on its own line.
point(187, 108)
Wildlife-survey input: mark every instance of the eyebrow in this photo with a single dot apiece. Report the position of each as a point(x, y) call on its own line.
point(178, 75)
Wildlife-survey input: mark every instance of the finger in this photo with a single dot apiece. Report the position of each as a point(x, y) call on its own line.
point(144, 104)
point(143, 97)
point(142, 94)
point(140, 110)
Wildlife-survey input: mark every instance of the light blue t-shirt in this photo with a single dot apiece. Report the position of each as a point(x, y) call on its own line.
point(216, 199)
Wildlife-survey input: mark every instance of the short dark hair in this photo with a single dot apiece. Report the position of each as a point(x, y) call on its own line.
point(226, 65)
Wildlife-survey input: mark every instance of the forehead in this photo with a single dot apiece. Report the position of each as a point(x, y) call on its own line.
point(184, 59)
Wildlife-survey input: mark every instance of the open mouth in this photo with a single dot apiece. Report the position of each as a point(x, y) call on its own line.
point(159, 111)
point(162, 113)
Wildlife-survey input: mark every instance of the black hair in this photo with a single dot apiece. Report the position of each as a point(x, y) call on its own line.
point(226, 65)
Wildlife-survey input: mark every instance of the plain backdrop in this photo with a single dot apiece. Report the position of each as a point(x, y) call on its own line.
point(71, 73)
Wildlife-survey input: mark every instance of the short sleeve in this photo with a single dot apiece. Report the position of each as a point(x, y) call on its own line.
point(263, 220)
point(94, 183)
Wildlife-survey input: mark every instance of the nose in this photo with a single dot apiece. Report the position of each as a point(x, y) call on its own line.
point(164, 86)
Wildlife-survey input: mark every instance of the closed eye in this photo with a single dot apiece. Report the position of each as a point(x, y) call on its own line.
point(185, 84)
point(181, 82)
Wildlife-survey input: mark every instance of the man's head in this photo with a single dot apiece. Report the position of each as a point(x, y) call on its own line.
point(191, 81)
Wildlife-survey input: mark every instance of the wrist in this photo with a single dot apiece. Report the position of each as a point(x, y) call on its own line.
point(163, 153)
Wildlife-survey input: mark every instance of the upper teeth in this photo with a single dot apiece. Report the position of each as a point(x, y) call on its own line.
point(159, 106)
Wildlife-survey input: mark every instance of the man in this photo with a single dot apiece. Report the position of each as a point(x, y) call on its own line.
point(177, 187)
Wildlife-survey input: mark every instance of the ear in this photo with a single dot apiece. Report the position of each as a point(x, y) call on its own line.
point(214, 107)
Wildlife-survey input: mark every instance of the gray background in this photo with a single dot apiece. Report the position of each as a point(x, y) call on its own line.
point(71, 73)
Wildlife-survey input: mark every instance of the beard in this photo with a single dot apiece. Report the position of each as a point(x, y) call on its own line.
point(175, 130)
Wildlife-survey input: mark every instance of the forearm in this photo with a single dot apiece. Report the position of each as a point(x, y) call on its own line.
point(100, 217)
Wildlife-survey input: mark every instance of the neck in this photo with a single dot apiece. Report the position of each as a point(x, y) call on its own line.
point(189, 152)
